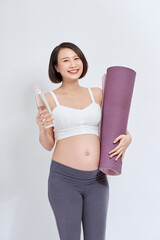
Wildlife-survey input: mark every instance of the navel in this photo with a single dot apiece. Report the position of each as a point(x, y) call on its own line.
point(87, 153)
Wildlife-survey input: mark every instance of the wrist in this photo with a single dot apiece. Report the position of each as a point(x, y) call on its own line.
point(129, 135)
point(42, 131)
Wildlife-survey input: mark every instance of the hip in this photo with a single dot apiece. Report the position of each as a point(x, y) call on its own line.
point(68, 174)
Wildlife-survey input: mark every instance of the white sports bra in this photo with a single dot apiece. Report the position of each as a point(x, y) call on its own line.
point(71, 121)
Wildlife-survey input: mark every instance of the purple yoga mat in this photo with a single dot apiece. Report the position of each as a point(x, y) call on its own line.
point(117, 86)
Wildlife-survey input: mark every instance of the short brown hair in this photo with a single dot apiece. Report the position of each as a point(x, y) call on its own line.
point(55, 76)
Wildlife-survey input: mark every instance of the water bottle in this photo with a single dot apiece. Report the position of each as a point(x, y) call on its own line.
point(42, 102)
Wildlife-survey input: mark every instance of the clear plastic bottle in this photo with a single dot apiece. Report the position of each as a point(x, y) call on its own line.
point(42, 102)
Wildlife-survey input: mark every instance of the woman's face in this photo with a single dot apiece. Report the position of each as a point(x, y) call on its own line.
point(68, 60)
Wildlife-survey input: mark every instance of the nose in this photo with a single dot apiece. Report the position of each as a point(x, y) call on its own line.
point(72, 63)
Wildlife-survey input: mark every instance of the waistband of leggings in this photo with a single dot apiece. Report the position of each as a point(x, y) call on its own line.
point(77, 173)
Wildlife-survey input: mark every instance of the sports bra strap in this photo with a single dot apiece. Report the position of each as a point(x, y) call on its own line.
point(55, 98)
point(91, 94)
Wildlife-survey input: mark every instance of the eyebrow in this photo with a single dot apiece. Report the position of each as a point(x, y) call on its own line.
point(67, 57)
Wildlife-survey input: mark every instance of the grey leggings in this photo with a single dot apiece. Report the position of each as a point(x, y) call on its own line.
point(78, 195)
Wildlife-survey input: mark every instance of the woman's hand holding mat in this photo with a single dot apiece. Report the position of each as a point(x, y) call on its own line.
point(125, 140)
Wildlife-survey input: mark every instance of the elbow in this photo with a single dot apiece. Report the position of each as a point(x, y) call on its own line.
point(50, 148)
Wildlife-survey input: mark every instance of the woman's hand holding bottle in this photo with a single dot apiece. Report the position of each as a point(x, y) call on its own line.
point(44, 119)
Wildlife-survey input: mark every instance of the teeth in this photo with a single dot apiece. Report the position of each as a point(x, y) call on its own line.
point(73, 71)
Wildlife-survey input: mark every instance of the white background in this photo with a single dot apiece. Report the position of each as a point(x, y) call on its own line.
point(110, 33)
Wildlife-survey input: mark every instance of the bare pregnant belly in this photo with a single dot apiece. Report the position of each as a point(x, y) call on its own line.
point(81, 152)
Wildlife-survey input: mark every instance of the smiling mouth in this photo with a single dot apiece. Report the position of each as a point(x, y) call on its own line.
point(73, 71)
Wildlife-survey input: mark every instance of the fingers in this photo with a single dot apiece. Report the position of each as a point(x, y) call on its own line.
point(42, 112)
point(120, 145)
point(118, 155)
point(45, 122)
point(44, 115)
point(119, 152)
point(115, 153)
point(118, 138)
point(44, 118)
point(115, 149)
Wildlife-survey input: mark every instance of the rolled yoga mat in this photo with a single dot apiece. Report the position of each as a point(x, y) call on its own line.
point(117, 86)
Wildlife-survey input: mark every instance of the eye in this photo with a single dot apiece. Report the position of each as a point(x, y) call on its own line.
point(65, 60)
point(76, 58)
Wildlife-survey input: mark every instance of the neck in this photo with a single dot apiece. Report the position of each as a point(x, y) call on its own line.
point(71, 87)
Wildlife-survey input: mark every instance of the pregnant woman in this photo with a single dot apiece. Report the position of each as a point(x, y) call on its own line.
point(78, 191)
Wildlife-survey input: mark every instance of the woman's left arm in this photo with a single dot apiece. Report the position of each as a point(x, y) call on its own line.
point(125, 140)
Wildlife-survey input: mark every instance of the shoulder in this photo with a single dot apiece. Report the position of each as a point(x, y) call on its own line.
point(96, 90)
point(98, 94)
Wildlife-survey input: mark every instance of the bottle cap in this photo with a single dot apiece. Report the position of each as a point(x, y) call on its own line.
point(36, 87)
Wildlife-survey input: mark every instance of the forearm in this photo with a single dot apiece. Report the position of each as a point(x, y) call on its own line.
point(46, 140)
